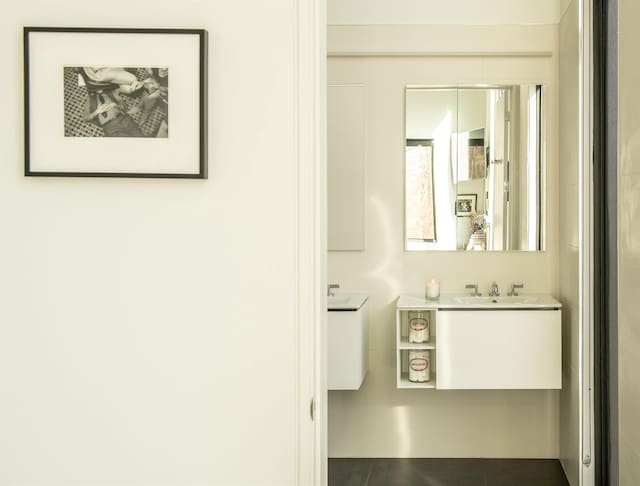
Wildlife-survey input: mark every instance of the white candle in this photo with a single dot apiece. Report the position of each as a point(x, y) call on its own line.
point(433, 289)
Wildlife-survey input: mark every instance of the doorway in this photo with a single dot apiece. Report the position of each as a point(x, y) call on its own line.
point(584, 374)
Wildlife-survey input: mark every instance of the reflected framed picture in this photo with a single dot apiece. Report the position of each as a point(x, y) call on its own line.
point(101, 102)
point(466, 204)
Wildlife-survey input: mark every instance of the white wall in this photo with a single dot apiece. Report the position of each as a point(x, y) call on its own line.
point(453, 12)
point(629, 243)
point(147, 327)
point(380, 420)
point(570, 453)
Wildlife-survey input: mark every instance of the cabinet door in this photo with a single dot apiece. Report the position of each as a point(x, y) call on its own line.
point(346, 168)
point(499, 350)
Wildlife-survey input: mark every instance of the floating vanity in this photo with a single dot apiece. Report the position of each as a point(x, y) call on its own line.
point(484, 342)
point(348, 341)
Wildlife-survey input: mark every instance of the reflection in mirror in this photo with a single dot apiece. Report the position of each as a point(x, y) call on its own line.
point(421, 218)
point(473, 165)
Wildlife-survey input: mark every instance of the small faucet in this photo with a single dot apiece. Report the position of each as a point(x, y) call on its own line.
point(494, 290)
point(330, 289)
point(514, 286)
point(475, 292)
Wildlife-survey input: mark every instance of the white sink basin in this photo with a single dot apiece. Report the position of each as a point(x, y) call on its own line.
point(463, 302)
point(510, 300)
point(338, 300)
point(501, 302)
point(345, 302)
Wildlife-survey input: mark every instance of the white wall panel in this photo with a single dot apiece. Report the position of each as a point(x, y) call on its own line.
point(569, 212)
point(629, 243)
point(147, 327)
point(453, 12)
point(346, 167)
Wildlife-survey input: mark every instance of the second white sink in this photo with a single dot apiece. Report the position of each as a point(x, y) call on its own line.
point(345, 301)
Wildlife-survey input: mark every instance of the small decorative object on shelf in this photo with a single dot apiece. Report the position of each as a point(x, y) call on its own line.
point(418, 327)
point(432, 291)
point(419, 366)
point(479, 227)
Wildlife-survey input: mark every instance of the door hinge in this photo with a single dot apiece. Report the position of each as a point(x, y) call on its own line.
point(507, 116)
point(587, 460)
point(312, 408)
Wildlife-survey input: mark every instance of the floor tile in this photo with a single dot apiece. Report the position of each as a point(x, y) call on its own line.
point(350, 472)
point(445, 472)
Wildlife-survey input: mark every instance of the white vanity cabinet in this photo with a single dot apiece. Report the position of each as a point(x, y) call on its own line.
point(501, 349)
point(348, 341)
point(485, 343)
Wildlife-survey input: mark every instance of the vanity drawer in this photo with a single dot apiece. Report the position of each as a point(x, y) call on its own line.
point(499, 349)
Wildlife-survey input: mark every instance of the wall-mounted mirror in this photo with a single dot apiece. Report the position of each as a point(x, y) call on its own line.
point(474, 160)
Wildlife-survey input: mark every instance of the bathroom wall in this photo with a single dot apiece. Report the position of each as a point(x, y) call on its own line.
point(458, 12)
point(629, 241)
point(570, 409)
point(147, 327)
point(380, 420)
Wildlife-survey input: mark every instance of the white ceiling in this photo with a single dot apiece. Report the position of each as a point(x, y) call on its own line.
point(448, 12)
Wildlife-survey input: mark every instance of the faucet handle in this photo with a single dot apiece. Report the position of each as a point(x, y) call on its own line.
point(495, 291)
point(475, 292)
point(514, 286)
point(330, 289)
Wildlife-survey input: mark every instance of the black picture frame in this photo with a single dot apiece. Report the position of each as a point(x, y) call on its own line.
point(194, 165)
point(466, 204)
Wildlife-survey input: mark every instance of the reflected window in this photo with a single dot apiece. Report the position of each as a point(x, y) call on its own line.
point(420, 210)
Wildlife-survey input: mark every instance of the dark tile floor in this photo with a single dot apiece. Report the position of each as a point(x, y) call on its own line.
point(446, 472)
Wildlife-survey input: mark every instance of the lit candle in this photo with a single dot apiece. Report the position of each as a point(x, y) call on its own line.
point(433, 289)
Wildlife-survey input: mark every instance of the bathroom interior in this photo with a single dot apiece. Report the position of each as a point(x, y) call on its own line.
point(454, 336)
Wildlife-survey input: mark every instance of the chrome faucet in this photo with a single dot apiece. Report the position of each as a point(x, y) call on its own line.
point(475, 292)
point(330, 289)
point(494, 290)
point(514, 286)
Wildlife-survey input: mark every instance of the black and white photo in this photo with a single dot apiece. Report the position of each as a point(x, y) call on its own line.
point(466, 204)
point(102, 102)
point(112, 101)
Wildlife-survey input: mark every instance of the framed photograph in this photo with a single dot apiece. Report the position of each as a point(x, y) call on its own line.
point(477, 161)
point(469, 160)
point(466, 204)
point(115, 102)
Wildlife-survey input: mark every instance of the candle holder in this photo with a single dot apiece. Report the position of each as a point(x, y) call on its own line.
point(432, 290)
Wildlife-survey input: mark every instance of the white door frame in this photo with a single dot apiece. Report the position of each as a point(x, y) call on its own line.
point(311, 255)
point(586, 312)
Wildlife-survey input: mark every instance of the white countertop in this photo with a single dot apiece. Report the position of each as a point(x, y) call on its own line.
point(346, 301)
point(466, 301)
